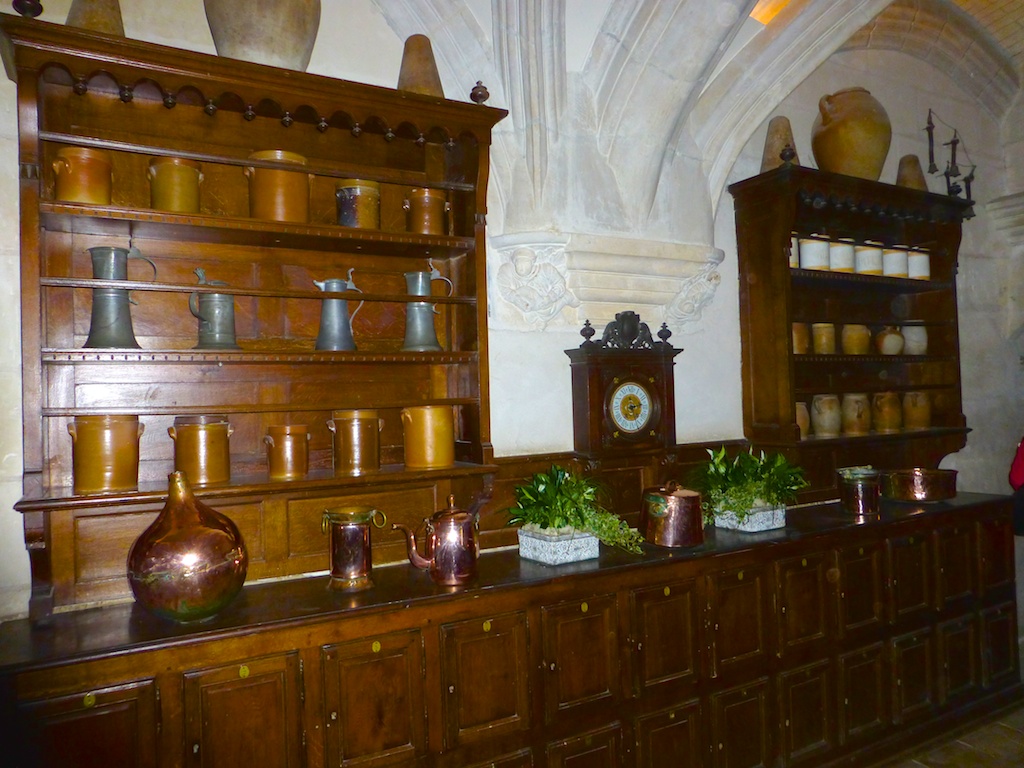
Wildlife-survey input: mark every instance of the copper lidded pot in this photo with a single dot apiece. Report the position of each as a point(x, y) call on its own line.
point(452, 547)
point(350, 551)
point(671, 516)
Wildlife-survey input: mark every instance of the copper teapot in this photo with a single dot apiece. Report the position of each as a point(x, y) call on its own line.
point(453, 545)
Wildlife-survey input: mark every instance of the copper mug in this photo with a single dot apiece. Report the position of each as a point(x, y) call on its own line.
point(287, 451)
point(356, 441)
point(672, 517)
point(350, 551)
point(201, 448)
point(105, 453)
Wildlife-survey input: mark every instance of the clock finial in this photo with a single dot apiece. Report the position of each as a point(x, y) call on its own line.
point(587, 332)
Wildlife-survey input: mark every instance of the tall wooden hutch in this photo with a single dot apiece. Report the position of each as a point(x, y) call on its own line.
point(140, 102)
point(793, 202)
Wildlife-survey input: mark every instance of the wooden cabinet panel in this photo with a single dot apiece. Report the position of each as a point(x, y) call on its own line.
point(113, 726)
point(955, 567)
point(862, 589)
point(600, 748)
point(910, 578)
point(806, 713)
point(485, 678)
point(995, 556)
point(1000, 659)
point(580, 655)
point(912, 660)
point(863, 694)
point(959, 660)
point(244, 714)
point(740, 726)
point(665, 621)
point(803, 605)
point(670, 738)
point(374, 700)
point(521, 759)
point(737, 611)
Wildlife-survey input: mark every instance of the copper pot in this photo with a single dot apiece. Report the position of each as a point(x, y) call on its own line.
point(672, 517)
point(919, 484)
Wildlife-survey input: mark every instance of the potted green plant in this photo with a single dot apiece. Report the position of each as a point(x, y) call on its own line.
point(562, 519)
point(748, 492)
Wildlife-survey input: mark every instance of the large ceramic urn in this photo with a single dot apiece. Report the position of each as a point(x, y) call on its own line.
point(280, 33)
point(191, 562)
point(851, 134)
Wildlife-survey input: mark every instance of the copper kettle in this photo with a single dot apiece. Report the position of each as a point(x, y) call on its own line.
point(453, 545)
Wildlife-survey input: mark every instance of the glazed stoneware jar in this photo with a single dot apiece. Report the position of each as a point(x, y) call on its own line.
point(856, 339)
point(851, 134)
point(826, 416)
point(856, 414)
point(889, 341)
point(886, 412)
point(917, 411)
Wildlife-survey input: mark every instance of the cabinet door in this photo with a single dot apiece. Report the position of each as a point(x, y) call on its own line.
point(803, 606)
point(485, 678)
point(244, 714)
point(99, 728)
point(806, 713)
point(913, 678)
point(959, 673)
point(740, 726)
point(861, 590)
point(581, 655)
point(373, 700)
point(955, 567)
point(737, 608)
point(999, 646)
point(995, 558)
point(910, 578)
point(863, 695)
point(670, 738)
point(600, 748)
point(664, 636)
point(521, 759)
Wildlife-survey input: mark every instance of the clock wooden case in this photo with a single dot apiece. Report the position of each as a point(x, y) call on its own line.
point(623, 389)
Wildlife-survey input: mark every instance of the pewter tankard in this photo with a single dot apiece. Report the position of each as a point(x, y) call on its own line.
point(335, 333)
point(216, 313)
point(111, 323)
point(420, 335)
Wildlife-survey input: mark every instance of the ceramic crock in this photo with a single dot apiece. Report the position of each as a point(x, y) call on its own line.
point(429, 436)
point(279, 33)
point(826, 417)
point(191, 562)
point(287, 451)
point(201, 448)
point(358, 202)
point(174, 184)
point(823, 338)
point(855, 339)
point(105, 453)
point(856, 411)
point(276, 194)
point(426, 208)
point(917, 410)
point(356, 440)
point(886, 412)
point(83, 175)
point(889, 341)
point(851, 134)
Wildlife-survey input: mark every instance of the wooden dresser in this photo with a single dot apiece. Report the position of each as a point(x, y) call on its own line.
point(831, 642)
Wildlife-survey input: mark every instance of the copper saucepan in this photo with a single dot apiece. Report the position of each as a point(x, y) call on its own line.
point(919, 484)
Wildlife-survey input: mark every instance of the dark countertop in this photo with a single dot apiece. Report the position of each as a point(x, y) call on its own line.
point(95, 632)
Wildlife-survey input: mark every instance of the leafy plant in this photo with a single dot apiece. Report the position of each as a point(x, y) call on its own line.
point(747, 481)
point(562, 500)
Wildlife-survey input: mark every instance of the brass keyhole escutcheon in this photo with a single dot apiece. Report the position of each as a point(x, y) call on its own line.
point(243, 671)
point(89, 700)
point(584, 607)
point(375, 646)
point(487, 626)
point(667, 591)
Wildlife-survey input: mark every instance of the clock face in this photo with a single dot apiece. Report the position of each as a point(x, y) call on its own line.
point(630, 407)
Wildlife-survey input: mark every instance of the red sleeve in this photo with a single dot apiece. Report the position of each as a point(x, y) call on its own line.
point(1017, 468)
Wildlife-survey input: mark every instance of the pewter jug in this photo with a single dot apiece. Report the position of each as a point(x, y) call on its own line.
point(111, 322)
point(453, 545)
point(216, 313)
point(335, 333)
point(420, 335)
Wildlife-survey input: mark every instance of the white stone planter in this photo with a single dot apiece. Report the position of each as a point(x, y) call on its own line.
point(558, 548)
point(759, 519)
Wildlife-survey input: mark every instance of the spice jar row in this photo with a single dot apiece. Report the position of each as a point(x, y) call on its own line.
point(844, 255)
point(859, 339)
point(105, 448)
point(856, 414)
point(84, 175)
